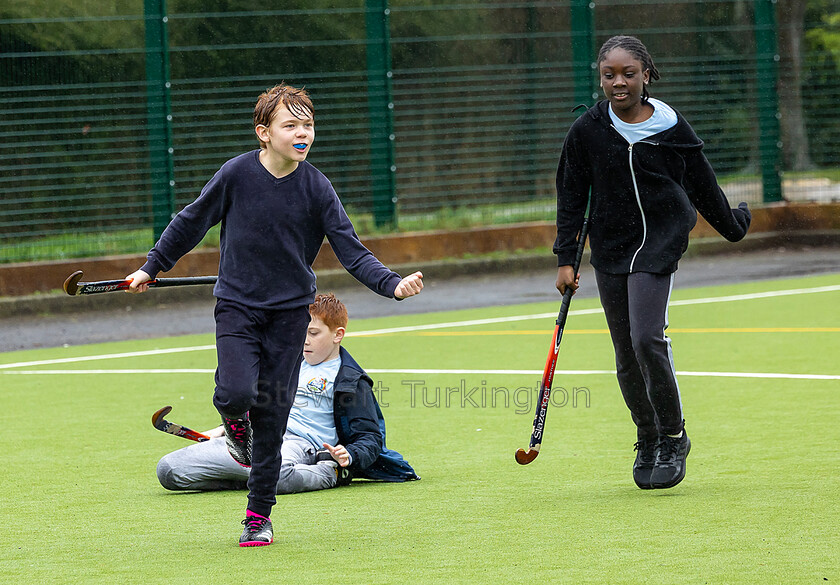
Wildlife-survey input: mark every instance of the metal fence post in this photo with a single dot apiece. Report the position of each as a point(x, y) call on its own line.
point(767, 59)
point(583, 49)
point(159, 115)
point(381, 111)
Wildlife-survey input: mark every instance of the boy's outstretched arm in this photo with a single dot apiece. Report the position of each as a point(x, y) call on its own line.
point(409, 286)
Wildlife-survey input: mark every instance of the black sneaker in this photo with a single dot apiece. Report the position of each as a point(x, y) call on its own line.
point(258, 532)
point(669, 469)
point(643, 466)
point(238, 439)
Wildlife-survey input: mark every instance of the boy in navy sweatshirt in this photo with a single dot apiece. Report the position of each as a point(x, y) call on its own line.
point(275, 209)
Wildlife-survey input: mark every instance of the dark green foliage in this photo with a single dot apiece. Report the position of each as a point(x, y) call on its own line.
point(482, 95)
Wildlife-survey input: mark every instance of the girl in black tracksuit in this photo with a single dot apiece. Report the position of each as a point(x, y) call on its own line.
point(647, 175)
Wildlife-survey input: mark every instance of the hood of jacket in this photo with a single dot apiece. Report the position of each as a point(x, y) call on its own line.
point(680, 136)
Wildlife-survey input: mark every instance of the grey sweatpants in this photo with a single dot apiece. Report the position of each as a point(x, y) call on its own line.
point(208, 466)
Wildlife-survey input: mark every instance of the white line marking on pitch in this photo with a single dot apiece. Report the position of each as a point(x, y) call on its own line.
point(489, 321)
point(457, 372)
point(610, 372)
point(107, 356)
point(723, 299)
point(119, 371)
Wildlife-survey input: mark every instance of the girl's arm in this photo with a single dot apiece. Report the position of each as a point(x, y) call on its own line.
point(709, 199)
point(566, 278)
point(573, 183)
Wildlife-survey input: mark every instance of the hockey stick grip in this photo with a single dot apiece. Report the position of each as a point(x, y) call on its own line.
point(184, 281)
point(567, 296)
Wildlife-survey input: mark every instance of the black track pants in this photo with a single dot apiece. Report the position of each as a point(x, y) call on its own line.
point(636, 307)
point(259, 353)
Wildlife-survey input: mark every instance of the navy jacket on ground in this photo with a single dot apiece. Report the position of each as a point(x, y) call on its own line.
point(361, 426)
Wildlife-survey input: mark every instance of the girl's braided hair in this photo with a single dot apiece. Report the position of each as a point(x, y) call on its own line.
point(636, 48)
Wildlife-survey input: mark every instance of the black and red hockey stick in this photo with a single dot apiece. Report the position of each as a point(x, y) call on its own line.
point(164, 425)
point(524, 457)
point(73, 287)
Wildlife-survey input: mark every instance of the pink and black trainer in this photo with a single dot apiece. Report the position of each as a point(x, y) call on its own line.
point(238, 437)
point(258, 530)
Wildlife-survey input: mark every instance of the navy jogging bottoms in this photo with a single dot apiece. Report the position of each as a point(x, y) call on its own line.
point(636, 307)
point(259, 353)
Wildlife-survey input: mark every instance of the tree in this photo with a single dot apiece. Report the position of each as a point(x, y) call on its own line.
point(791, 36)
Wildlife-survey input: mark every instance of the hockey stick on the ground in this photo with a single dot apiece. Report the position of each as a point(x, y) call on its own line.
point(524, 457)
point(164, 425)
point(73, 287)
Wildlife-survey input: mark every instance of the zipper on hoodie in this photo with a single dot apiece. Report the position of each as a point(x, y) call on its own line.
point(636, 191)
point(639, 203)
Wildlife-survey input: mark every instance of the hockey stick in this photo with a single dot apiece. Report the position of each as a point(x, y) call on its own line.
point(164, 425)
point(73, 287)
point(524, 457)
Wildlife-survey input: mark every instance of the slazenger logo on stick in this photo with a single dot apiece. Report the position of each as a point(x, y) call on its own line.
point(97, 289)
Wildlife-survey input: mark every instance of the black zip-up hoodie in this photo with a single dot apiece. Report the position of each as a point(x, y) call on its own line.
point(645, 196)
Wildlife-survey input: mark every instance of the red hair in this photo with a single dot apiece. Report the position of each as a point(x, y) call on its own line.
point(329, 310)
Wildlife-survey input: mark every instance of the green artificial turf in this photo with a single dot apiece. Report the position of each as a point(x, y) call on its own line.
point(81, 503)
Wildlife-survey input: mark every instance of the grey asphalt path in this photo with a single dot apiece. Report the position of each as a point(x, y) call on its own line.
point(471, 291)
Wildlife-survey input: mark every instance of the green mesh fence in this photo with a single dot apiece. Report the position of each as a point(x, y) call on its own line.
point(114, 113)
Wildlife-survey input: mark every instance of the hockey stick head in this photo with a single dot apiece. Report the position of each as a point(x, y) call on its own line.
point(161, 424)
point(157, 418)
point(71, 284)
point(524, 457)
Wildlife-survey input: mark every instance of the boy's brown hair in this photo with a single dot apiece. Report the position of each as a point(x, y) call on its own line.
point(296, 100)
point(329, 310)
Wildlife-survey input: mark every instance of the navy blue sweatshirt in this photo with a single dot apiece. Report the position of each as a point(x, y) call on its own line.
point(644, 197)
point(272, 229)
